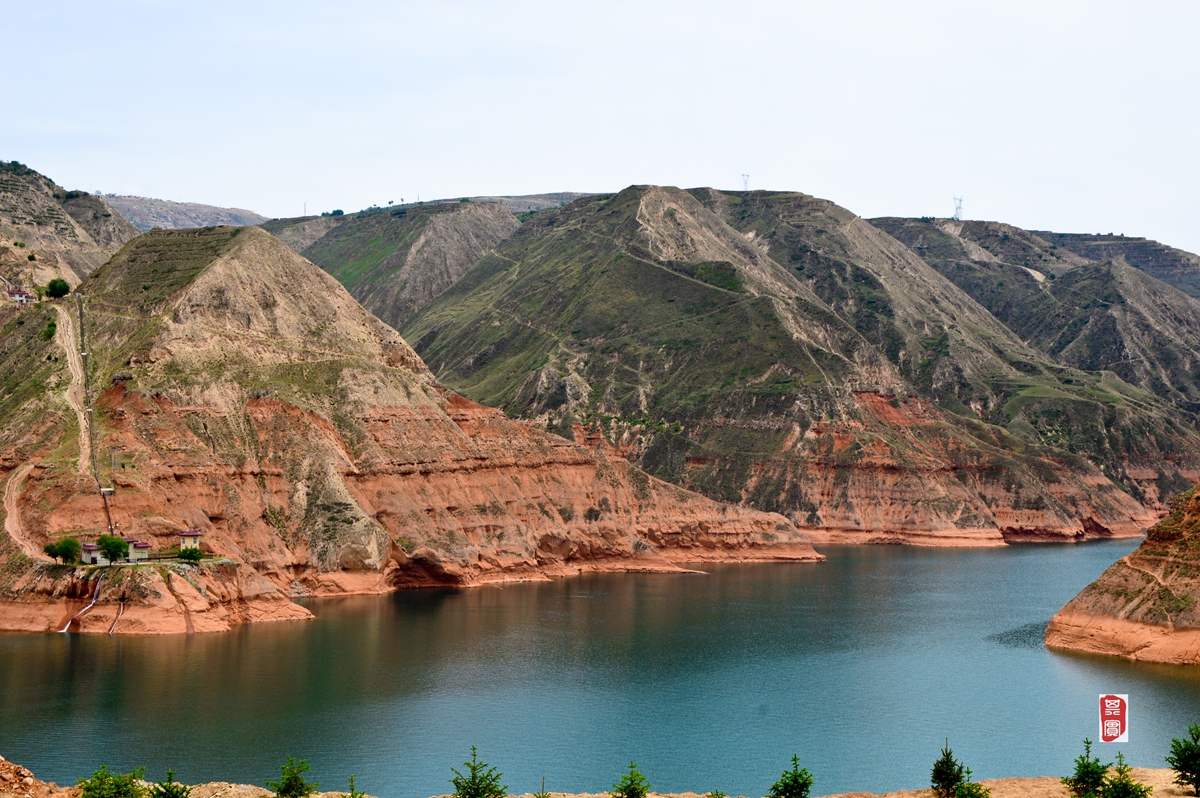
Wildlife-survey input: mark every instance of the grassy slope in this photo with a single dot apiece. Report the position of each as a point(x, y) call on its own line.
point(394, 261)
point(1092, 316)
point(576, 318)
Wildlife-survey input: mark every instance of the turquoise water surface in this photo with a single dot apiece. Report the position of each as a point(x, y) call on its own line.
point(861, 665)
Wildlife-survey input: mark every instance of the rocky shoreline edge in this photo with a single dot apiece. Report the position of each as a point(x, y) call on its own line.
point(19, 782)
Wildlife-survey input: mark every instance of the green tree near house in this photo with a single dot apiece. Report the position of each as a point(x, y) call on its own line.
point(57, 287)
point(113, 548)
point(66, 550)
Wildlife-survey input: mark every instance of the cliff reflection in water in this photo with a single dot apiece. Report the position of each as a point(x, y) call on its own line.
point(861, 665)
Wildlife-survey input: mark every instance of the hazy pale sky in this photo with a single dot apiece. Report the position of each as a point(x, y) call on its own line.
point(1080, 117)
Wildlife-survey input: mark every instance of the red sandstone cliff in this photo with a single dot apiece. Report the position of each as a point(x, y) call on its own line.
point(240, 391)
point(1144, 607)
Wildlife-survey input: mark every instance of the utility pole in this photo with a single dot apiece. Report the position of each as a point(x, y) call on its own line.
point(745, 182)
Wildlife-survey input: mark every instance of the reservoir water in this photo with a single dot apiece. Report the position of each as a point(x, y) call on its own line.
point(861, 665)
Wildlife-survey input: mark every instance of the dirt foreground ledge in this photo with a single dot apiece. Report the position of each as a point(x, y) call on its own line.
point(18, 782)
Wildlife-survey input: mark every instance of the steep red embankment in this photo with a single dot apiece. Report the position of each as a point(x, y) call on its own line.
point(312, 448)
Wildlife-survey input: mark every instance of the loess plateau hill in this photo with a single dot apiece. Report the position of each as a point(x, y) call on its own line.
point(236, 389)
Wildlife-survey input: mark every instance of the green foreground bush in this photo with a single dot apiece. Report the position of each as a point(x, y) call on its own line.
point(482, 780)
point(794, 783)
point(105, 783)
point(1185, 759)
point(291, 782)
point(632, 785)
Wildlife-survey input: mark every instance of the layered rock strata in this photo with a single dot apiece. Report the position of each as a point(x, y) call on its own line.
point(240, 391)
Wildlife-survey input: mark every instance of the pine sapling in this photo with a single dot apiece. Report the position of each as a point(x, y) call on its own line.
point(794, 783)
point(947, 774)
point(170, 788)
point(1120, 783)
point(632, 785)
point(1089, 774)
point(1185, 759)
point(482, 780)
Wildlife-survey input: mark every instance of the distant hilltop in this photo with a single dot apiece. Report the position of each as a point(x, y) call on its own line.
point(145, 213)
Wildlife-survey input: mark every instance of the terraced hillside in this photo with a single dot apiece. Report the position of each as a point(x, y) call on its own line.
point(395, 261)
point(775, 349)
point(241, 391)
point(1094, 316)
point(48, 232)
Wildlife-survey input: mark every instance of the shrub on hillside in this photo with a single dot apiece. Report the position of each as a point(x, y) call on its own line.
point(193, 555)
point(104, 783)
point(291, 782)
point(1185, 759)
point(794, 783)
point(632, 785)
point(113, 548)
point(1089, 774)
point(482, 780)
point(57, 287)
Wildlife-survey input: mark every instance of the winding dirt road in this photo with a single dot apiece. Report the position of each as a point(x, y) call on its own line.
point(12, 513)
point(64, 336)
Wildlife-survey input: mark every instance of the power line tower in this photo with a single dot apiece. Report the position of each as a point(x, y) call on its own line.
point(957, 209)
point(745, 182)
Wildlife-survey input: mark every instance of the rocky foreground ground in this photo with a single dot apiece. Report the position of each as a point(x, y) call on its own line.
point(18, 782)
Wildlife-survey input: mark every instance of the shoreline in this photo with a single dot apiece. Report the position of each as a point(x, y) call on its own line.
point(19, 782)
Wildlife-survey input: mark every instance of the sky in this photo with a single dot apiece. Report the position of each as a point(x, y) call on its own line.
point(1071, 116)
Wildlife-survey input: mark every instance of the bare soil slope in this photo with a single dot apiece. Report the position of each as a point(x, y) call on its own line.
point(146, 213)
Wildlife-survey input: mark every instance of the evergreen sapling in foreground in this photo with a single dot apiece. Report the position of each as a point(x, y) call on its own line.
point(108, 784)
point(1121, 784)
point(632, 785)
point(481, 781)
point(291, 782)
point(947, 774)
point(794, 783)
point(1185, 759)
point(1089, 774)
point(170, 788)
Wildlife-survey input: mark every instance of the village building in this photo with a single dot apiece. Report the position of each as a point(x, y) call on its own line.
point(139, 552)
point(21, 297)
point(189, 539)
point(92, 555)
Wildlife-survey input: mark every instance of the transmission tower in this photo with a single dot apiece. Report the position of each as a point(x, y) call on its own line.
point(745, 182)
point(957, 209)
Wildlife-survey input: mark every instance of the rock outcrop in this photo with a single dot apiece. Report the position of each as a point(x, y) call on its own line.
point(240, 391)
point(1144, 607)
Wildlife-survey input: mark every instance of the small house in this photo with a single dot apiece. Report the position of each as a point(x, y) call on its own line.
point(21, 297)
point(189, 539)
point(139, 551)
point(92, 555)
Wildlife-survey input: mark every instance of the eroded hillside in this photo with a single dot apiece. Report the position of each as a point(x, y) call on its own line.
point(1093, 316)
point(396, 261)
point(242, 392)
point(145, 213)
point(776, 350)
point(1144, 606)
